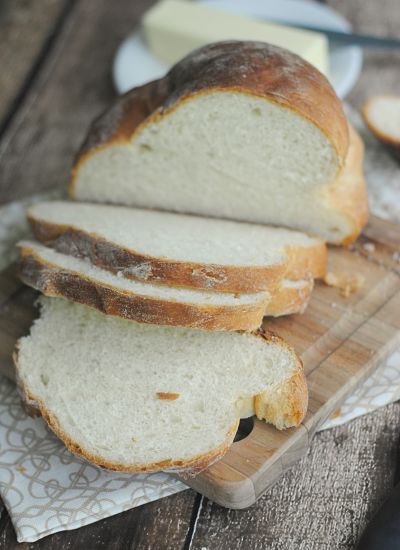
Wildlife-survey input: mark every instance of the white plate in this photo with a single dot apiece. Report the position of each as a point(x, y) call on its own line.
point(134, 64)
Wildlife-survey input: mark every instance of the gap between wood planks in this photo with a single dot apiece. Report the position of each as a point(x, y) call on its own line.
point(197, 509)
point(37, 65)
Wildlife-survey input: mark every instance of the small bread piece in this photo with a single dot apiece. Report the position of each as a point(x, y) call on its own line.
point(97, 379)
point(177, 249)
point(347, 283)
point(56, 274)
point(238, 130)
point(381, 114)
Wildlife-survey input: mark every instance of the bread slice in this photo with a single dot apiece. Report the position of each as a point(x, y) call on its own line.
point(176, 249)
point(141, 398)
point(56, 274)
point(381, 113)
point(239, 130)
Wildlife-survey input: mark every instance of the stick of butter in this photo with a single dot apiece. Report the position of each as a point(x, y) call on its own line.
point(173, 28)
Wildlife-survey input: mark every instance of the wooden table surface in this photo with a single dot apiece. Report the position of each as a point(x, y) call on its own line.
point(55, 59)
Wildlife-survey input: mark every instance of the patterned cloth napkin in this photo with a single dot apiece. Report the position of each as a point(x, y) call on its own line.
point(46, 489)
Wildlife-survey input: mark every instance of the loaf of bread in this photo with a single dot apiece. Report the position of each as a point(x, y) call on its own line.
point(141, 398)
point(239, 130)
point(176, 249)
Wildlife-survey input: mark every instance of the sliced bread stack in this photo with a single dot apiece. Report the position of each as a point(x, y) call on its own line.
point(172, 269)
point(244, 131)
point(180, 392)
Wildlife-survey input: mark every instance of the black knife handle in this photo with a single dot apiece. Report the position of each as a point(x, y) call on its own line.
point(383, 533)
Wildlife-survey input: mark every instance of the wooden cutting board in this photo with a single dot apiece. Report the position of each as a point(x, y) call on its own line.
point(340, 340)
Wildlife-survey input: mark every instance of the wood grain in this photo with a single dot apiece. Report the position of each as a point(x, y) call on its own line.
point(25, 29)
point(324, 502)
point(135, 528)
point(71, 89)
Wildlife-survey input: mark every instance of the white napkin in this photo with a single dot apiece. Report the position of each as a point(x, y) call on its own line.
point(46, 489)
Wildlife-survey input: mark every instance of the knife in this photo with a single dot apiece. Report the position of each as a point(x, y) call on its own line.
point(346, 38)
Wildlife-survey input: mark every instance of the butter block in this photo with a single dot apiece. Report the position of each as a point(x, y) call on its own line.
point(173, 28)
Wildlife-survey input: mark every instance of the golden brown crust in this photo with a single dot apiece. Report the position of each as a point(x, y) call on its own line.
point(70, 240)
point(133, 265)
point(285, 407)
point(348, 193)
point(285, 404)
point(254, 68)
point(287, 300)
point(392, 144)
point(53, 281)
point(307, 260)
point(289, 404)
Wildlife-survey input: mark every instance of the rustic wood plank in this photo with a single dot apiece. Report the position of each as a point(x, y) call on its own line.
point(162, 524)
point(25, 29)
point(73, 87)
point(380, 71)
point(324, 502)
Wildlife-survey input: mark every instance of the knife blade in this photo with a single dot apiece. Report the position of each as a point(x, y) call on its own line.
point(346, 38)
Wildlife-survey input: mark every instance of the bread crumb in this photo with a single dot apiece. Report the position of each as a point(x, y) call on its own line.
point(167, 395)
point(347, 283)
point(396, 256)
point(21, 469)
point(369, 247)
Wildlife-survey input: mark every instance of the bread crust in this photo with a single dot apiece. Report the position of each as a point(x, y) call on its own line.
point(392, 144)
point(70, 240)
point(288, 408)
point(287, 300)
point(254, 68)
point(306, 261)
point(348, 193)
point(53, 281)
point(108, 255)
point(286, 405)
